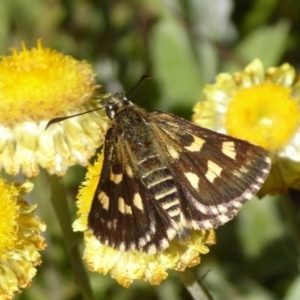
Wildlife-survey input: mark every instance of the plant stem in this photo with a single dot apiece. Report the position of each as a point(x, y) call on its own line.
point(195, 288)
point(61, 207)
point(291, 206)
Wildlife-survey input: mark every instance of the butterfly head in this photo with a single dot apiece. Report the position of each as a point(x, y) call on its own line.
point(115, 103)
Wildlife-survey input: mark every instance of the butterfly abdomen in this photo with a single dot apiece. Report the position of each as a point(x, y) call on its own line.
point(160, 184)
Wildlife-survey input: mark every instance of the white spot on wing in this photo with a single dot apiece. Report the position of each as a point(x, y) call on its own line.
point(171, 233)
point(193, 179)
point(122, 247)
point(129, 171)
point(114, 224)
point(148, 237)
point(152, 227)
point(182, 220)
point(222, 208)
point(164, 243)
point(137, 201)
point(223, 218)
point(173, 152)
point(152, 249)
point(196, 144)
point(247, 195)
point(255, 187)
point(214, 210)
point(228, 148)
point(206, 224)
point(142, 242)
point(104, 200)
point(194, 225)
point(123, 207)
point(132, 246)
point(213, 171)
point(260, 180)
point(116, 178)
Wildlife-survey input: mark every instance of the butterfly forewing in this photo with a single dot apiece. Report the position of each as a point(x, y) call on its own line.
point(163, 176)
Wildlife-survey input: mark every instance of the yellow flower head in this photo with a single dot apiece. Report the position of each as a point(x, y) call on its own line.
point(261, 107)
point(36, 86)
point(20, 239)
point(124, 266)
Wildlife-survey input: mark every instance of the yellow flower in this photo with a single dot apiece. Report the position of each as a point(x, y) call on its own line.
point(261, 107)
point(36, 86)
point(126, 267)
point(20, 239)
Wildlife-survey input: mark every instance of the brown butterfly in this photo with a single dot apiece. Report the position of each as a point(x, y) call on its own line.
point(163, 176)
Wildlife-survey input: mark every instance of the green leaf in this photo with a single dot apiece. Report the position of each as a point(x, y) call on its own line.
point(259, 13)
point(294, 290)
point(259, 224)
point(175, 65)
point(266, 43)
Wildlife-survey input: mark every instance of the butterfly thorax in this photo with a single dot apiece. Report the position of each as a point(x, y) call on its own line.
point(128, 121)
point(114, 104)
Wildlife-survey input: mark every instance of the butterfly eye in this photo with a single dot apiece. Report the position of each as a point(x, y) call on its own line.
point(110, 111)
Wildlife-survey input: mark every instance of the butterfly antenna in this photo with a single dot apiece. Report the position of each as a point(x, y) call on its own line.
point(56, 120)
point(143, 77)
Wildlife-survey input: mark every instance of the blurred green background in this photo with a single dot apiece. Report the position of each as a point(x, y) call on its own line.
point(182, 45)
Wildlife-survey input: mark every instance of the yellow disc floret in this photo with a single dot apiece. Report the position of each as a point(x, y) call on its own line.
point(37, 86)
point(41, 83)
point(265, 114)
